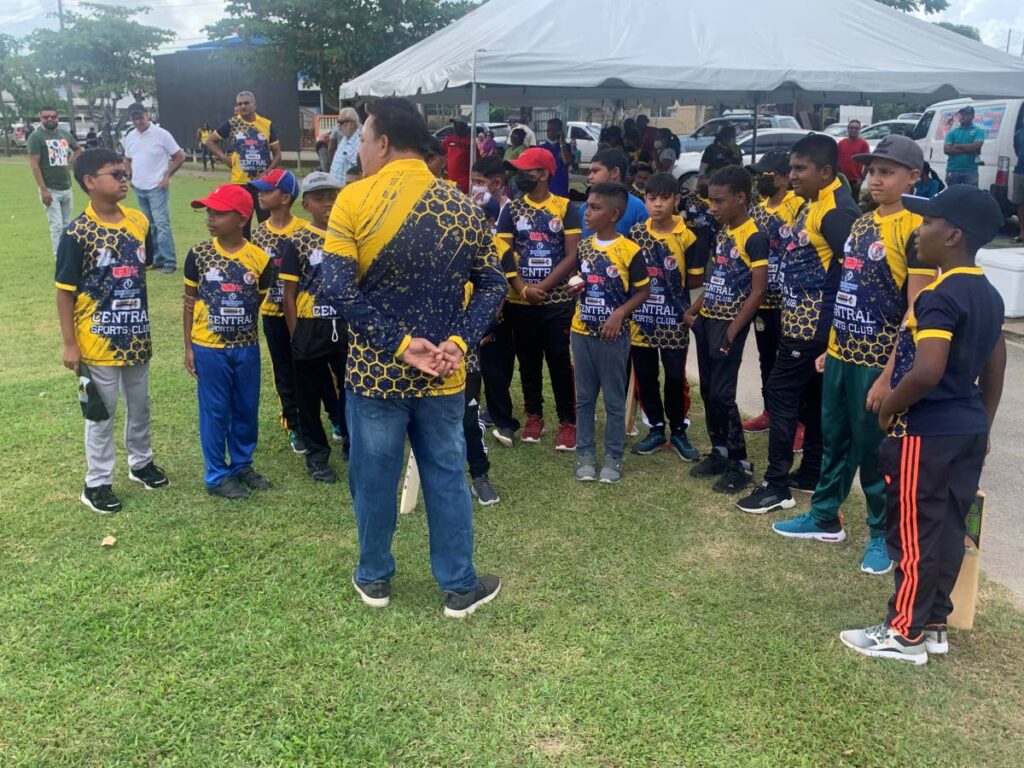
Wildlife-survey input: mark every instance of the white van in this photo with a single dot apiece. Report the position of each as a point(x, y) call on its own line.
point(1000, 119)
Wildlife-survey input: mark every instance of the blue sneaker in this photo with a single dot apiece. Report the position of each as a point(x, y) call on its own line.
point(682, 446)
point(806, 527)
point(876, 557)
point(336, 433)
point(654, 440)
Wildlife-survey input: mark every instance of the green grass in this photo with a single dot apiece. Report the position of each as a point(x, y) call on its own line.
point(649, 624)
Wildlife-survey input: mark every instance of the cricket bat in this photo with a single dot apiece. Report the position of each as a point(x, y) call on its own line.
point(411, 486)
point(631, 403)
point(965, 591)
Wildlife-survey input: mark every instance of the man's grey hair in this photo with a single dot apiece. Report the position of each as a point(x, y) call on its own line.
point(349, 113)
point(250, 94)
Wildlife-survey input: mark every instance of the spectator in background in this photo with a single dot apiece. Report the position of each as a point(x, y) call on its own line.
point(456, 149)
point(667, 154)
point(1017, 186)
point(153, 156)
point(91, 139)
point(516, 144)
point(852, 145)
point(562, 153)
point(722, 152)
point(480, 138)
point(51, 153)
point(343, 149)
point(202, 134)
point(490, 146)
point(929, 184)
point(529, 138)
point(647, 134)
point(963, 150)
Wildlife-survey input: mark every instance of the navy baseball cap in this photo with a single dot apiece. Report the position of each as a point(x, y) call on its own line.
point(775, 161)
point(965, 207)
point(278, 179)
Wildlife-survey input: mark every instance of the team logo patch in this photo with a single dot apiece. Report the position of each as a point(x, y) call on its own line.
point(140, 254)
point(555, 225)
point(671, 264)
point(612, 271)
point(261, 136)
point(785, 231)
point(249, 278)
point(803, 237)
point(877, 251)
point(734, 253)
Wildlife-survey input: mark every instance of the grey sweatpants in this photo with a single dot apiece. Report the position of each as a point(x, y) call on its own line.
point(600, 367)
point(132, 382)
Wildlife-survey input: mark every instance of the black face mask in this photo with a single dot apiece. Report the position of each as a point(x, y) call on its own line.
point(766, 186)
point(526, 182)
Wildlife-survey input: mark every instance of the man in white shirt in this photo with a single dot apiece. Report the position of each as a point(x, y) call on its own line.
point(152, 156)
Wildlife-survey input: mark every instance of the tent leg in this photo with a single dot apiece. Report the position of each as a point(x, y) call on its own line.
point(472, 122)
point(753, 141)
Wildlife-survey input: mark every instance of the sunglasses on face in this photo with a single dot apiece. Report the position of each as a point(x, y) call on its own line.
point(242, 103)
point(49, 118)
point(116, 175)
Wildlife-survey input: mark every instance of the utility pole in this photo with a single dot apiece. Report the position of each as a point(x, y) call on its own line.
point(1009, 34)
point(67, 78)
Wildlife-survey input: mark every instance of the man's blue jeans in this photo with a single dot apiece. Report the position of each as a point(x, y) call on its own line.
point(962, 177)
point(154, 203)
point(378, 428)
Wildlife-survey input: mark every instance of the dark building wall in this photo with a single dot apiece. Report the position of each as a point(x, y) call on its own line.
point(193, 87)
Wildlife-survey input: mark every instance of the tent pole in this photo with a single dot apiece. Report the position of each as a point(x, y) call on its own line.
point(472, 118)
point(753, 148)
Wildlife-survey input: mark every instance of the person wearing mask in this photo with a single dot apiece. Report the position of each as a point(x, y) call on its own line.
point(963, 150)
point(722, 152)
point(852, 145)
point(343, 149)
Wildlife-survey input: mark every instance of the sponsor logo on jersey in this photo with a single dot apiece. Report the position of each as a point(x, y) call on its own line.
point(877, 251)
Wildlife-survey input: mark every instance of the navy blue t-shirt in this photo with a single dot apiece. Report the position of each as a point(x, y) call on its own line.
point(636, 213)
point(559, 184)
point(962, 307)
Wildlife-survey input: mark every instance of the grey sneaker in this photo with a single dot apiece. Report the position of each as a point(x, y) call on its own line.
point(585, 469)
point(483, 490)
point(611, 471)
point(884, 643)
point(935, 639)
point(459, 605)
point(376, 594)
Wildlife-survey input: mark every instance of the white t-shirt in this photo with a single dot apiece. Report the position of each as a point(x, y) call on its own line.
point(150, 151)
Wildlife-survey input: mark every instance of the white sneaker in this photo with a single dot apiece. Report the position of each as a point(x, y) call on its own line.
point(884, 643)
point(935, 639)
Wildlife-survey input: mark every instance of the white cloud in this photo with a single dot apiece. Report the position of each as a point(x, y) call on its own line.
point(993, 18)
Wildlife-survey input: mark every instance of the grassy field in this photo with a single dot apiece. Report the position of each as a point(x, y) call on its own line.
point(648, 624)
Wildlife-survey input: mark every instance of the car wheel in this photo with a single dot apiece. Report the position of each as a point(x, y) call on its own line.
point(688, 183)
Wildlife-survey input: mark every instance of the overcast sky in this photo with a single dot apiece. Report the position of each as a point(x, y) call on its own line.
point(19, 17)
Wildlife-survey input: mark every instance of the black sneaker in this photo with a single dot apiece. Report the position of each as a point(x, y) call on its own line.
point(505, 435)
point(458, 605)
point(735, 479)
point(802, 483)
point(253, 479)
point(485, 417)
point(100, 499)
point(766, 499)
point(229, 488)
point(322, 472)
point(151, 476)
point(483, 490)
point(376, 594)
point(714, 464)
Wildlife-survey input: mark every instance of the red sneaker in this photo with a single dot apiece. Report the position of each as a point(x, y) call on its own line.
point(758, 424)
point(798, 441)
point(534, 428)
point(566, 440)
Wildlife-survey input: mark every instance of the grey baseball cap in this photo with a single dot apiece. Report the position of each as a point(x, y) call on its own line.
point(899, 149)
point(319, 180)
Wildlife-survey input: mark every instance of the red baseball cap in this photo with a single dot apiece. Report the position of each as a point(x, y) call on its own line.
point(227, 197)
point(533, 159)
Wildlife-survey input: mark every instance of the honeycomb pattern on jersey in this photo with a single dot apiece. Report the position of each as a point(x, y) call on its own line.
point(727, 265)
point(540, 219)
point(772, 224)
point(98, 288)
point(906, 351)
point(801, 266)
point(211, 298)
point(271, 242)
point(668, 275)
point(245, 166)
point(312, 300)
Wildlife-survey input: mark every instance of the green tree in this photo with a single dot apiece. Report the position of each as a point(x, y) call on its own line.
point(329, 41)
point(928, 6)
point(961, 29)
point(107, 53)
point(20, 77)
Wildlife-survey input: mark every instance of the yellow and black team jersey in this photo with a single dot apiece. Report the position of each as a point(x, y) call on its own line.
point(104, 265)
point(872, 299)
point(670, 257)
point(776, 222)
point(696, 212)
point(963, 308)
point(508, 266)
point(248, 145)
point(729, 279)
point(610, 273)
point(229, 289)
point(810, 265)
point(302, 259)
point(400, 247)
point(536, 232)
point(271, 240)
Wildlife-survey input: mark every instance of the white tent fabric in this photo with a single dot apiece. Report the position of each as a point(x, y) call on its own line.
point(691, 51)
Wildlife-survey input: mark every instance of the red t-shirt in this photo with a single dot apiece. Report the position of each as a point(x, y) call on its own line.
point(853, 170)
point(457, 150)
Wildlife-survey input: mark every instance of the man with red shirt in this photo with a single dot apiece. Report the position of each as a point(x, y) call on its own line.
point(852, 145)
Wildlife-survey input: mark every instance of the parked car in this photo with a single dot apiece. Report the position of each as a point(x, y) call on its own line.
point(999, 118)
point(501, 130)
point(875, 132)
point(915, 116)
point(687, 166)
point(836, 131)
point(744, 121)
point(585, 136)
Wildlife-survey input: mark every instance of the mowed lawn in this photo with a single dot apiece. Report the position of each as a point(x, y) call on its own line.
point(648, 624)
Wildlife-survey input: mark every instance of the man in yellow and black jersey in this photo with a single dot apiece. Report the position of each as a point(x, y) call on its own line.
point(695, 208)
point(103, 309)
point(810, 271)
point(658, 328)
point(252, 146)
point(774, 211)
point(400, 247)
point(881, 276)
point(543, 231)
point(226, 279)
point(734, 286)
point(277, 191)
point(318, 336)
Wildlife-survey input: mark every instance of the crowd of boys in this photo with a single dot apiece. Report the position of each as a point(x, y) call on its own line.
point(872, 332)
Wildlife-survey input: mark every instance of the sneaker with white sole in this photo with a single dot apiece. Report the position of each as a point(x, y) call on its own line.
point(483, 490)
point(459, 605)
point(100, 499)
point(586, 469)
point(611, 471)
point(376, 594)
point(505, 435)
point(936, 639)
point(882, 642)
point(806, 527)
point(876, 557)
point(766, 499)
point(151, 476)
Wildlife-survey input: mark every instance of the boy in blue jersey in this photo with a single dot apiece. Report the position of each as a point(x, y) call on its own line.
point(610, 166)
point(881, 277)
point(810, 271)
point(947, 381)
point(103, 309)
point(615, 283)
point(658, 328)
point(226, 279)
point(734, 286)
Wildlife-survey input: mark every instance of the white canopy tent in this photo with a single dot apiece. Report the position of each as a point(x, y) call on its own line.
point(656, 52)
